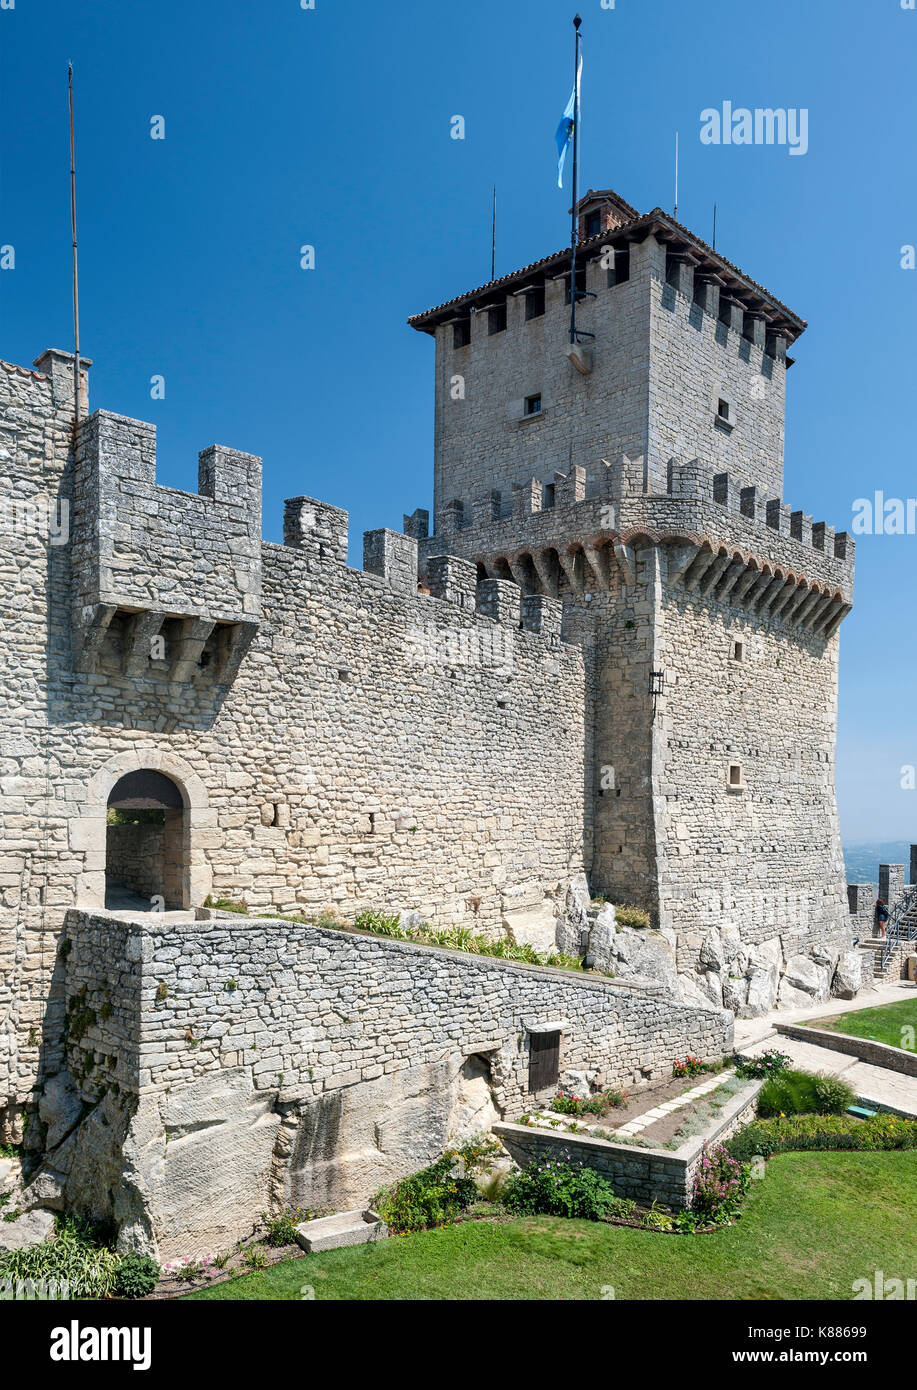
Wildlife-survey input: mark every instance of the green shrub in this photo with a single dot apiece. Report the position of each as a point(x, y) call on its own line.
point(762, 1137)
point(226, 905)
point(137, 1276)
point(436, 1195)
point(721, 1183)
point(433, 1197)
point(656, 1218)
point(381, 924)
point(281, 1229)
point(802, 1093)
point(456, 938)
point(689, 1066)
point(768, 1064)
point(77, 1256)
point(149, 816)
point(632, 917)
point(599, 1104)
point(560, 1189)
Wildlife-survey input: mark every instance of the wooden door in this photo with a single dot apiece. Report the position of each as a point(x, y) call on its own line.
point(544, 1060)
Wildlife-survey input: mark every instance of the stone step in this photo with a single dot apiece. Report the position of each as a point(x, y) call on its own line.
point(344, 1228)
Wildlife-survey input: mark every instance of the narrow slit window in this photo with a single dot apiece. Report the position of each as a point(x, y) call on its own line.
point(580, 284)
point(534, 302)
point(620, 271)
point(496, 318)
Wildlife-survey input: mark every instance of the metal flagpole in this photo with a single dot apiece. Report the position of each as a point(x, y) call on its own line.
point(76, 293)
point(574, 220)
point(493, 240)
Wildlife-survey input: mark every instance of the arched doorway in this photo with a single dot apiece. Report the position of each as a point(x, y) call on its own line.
point(146, 843)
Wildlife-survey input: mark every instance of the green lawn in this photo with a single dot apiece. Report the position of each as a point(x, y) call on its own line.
point(889, 1023)
point(817, 1222)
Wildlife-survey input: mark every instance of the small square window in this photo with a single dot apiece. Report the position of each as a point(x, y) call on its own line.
point(722, 409)
point(593, 223)
point(461, 333)
point(738, 651)
point(533, 405)
point(534, 303)
point(496, 318)
point(735, 776)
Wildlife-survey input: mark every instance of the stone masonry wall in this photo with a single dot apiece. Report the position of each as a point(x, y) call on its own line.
point(259, 1063)
point(134, 857)
point(759, 861)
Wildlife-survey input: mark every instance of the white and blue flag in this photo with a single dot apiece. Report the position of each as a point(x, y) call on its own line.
point(565, 128)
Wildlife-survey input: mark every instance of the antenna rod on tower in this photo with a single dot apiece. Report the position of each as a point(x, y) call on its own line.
point(574, 229)
point(76, 292)
point(714, 226)
point(493, 240)
point(676, 176)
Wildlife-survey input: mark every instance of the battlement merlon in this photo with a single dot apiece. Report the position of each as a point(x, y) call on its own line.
point(142, 549)
point(722, 539)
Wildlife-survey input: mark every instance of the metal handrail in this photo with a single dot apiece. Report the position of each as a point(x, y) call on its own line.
point(899, 927)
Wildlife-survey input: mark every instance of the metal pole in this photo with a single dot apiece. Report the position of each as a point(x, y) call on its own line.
point(574, 227)
point(493, 240)
point(76, 292)
point(676, 176)
point(714, 226)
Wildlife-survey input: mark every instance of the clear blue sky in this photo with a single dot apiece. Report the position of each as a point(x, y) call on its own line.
point(287, 126)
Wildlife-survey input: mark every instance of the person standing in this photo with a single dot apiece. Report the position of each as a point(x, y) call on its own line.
point(881, 918)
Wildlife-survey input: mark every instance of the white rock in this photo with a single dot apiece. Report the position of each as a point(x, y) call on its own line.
point(31, 1228)
point(848, 977)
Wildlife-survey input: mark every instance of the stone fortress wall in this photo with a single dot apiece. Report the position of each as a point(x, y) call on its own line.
point(338, 737)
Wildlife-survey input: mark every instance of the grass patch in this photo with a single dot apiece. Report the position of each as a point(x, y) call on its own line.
point(815, 1224)
point(892, 1024)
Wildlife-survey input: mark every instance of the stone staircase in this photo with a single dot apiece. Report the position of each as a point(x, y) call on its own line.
point(889, 953)
point(884, 967)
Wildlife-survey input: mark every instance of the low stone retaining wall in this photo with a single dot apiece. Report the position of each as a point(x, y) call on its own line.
point(664, 1175)
point(201, 1072)
point(879, 1054)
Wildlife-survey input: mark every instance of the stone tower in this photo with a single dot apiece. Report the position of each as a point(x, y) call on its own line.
point(639, 479)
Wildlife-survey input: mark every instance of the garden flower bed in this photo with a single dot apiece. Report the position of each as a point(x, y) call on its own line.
point(635, 1166)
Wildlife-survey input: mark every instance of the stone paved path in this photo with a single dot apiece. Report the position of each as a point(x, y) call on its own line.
point(751, 1030)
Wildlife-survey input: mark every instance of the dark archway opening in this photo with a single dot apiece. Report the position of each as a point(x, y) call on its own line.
point(145, 843)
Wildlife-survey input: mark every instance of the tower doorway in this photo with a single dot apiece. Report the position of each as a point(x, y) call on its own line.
point(146, 843)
